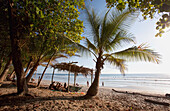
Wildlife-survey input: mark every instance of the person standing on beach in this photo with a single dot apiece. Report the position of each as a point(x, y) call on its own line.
point(102, 83)
point(38, 78)
point(65, 85)
point(87, 83)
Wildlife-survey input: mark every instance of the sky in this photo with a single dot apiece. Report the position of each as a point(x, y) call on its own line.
point(144, 31)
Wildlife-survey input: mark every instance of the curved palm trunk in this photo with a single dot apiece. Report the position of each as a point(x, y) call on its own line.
point(28, 66)
point(45, 70)
point(32, 71)
point(93, 90)
point(22, 88)
point(6, 69)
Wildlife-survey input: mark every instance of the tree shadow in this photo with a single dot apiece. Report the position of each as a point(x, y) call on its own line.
point(14, 100)
point(6, 85)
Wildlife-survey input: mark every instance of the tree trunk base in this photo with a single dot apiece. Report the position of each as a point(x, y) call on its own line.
point(90, 97)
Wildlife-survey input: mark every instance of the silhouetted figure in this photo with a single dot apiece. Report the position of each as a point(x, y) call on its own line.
point(77, 84)
point(52, 86)
point(38, 78)
point(65, 85)
point(87, 83)
point(102, 83)
point(32, 79)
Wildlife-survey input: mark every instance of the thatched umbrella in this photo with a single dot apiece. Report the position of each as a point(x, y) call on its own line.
point(74, 69)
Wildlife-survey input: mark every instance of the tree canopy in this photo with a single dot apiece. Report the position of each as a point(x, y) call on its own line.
point(148, 8)
point(43, 21)
point(106, 36)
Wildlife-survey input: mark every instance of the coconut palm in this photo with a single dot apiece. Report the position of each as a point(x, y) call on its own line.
point(109, 33)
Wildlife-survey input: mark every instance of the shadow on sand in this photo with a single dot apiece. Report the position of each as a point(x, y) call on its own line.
point(14, 99)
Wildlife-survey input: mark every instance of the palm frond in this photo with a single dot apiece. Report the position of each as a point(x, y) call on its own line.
point(80, 47)
point(122, 20)
point(121, 38)
point(104, 26)
point(56, 56)
point(140, 53)
point(119, 63)
point(44, 65)
point(85, 50)
point(116, 23)
point(91, 46)
point(94, 22)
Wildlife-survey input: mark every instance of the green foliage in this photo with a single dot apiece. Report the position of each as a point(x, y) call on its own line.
point(148, 9)
point(50, 17)
point(41, 26)
point(44, 22)
point(109, 34)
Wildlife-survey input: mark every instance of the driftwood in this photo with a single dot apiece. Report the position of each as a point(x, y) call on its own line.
point(135, 93)
point(157, 102)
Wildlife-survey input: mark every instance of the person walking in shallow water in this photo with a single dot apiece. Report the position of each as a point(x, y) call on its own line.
point(87, 83)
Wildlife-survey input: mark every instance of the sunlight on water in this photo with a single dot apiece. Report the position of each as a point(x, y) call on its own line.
point(137, 82)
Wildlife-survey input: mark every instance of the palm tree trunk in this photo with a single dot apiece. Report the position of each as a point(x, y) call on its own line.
point(22, 88)
point(28, 66)
point(45, 70)
point(6, 69)
point(93, 90)
point(32, 70)
point(91, 77)
point(52, 76)
point(75, 75)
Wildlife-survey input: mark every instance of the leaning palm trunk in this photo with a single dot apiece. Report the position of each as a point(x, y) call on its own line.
point(44, 70)
point(93, 90)
point(32, 71)
point(6, 69)
point(28, 66)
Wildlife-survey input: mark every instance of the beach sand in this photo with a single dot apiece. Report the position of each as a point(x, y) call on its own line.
point(43, 99)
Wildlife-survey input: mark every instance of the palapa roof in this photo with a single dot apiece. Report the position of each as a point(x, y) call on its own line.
point(74, 68)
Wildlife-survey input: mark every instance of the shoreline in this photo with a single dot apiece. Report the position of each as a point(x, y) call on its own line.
point(47, 82)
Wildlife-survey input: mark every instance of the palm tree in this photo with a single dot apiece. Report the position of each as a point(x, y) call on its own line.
point(109, 33)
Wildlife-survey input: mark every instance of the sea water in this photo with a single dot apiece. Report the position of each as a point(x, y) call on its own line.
point(151, 83)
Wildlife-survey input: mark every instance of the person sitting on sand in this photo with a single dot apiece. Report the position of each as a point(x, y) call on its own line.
point(52, 86)
point(77, 84)
point(58, 86)
point(65, 85)
point(32, 79)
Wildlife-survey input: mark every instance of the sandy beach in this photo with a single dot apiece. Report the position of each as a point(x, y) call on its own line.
point(43, 99)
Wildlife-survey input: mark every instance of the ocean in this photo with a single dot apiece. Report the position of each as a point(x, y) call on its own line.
point(151, 83)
